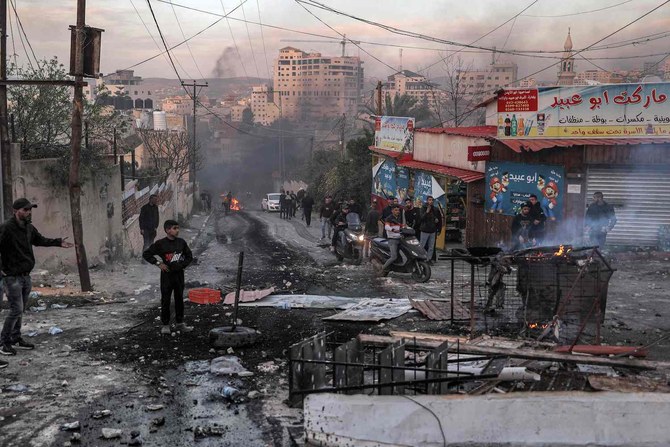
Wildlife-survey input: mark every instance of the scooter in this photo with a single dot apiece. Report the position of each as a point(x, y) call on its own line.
point(412, 258)
point(349, 244)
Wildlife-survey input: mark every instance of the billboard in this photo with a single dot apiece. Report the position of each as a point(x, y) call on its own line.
point(394, 133)
point(511, 184)
point(425, 184)
point(390, 180)
point(596, 111)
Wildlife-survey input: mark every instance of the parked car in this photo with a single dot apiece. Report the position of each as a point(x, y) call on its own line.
point(270, 202)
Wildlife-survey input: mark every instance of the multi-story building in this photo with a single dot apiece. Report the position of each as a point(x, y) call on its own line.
point(237, 111)
point(597, 77)
point(312, 85)
point(417, 86)
point(181, 104)
point(122, 89)
point(482, 82)
point(528, 83)
point(122, 77)
point(265, 111)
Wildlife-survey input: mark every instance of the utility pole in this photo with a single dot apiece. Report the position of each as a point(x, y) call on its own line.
point(379, 98)
point(194, 149)
point(5, 151)
point(342, 142)
point(75, 148)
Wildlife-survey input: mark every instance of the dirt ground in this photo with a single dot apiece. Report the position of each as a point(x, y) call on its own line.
point(110, 355)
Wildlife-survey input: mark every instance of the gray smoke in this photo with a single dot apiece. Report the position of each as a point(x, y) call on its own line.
point(226, 64)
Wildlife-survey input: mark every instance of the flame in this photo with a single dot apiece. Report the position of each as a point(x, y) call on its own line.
point(561, 251)
point(537, 326)
point(235, 205)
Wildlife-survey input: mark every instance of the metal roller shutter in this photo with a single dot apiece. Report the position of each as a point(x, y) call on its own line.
point(640, 196)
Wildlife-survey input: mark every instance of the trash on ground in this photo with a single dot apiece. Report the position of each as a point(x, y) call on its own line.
point(305, 301)
point(374, 309)
point(205, 432)
point(230, 392)
point(111, 433)
point(70, 426)
point(268, 367)
point(38, 308)
point(227, 364)
point(17, 388)
point(248, 295)
point(54, 330)
point(204, 296)
point(99, 414)
point(154, 407)
point(59, 306)
point(142, 289)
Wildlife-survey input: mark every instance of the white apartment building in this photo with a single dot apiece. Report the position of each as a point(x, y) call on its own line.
point(265, 111)
point(312, 85)
point(485, 81)
point(417, 86)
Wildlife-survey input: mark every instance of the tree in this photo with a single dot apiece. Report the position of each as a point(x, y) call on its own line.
point(405, 105)
point(169, 151)
point(248, 117)
point(458, 105)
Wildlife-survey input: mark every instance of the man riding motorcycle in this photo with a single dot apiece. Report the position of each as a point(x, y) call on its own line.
point(393, 225)
point(339, 222)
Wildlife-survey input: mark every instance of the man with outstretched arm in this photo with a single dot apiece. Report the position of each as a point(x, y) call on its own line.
point(17, 237)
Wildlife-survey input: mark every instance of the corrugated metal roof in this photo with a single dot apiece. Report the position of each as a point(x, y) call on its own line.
point(537, 144)
point(392, 154)
point(473, 131)
point(463, 174)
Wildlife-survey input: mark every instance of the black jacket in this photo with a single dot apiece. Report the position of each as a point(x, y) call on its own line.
point(523, 226)
point(372, 222)
point(431, 220)
point(174, 253)
point(413, 218)
point(149, 217)
point(16, 246)
point(356, 208)
point(599, 216)
point(536, 213)
point(307, 203)
point(339, 218)
point(327, 210)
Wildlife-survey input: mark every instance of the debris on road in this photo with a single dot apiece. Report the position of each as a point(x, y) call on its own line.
point(18, 388)
point(248, 295)
point(111, 433)
point(70, 426)
point(225, 365)
point(205, 432)
point(154, 407)
point(54, 330)
point(305, 301)
point(101, 414)
point(268, 367)
point(374, 309)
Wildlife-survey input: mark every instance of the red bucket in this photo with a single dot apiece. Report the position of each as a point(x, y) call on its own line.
point(204, 296)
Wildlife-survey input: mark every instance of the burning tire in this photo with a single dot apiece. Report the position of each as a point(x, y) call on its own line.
point(421, 272)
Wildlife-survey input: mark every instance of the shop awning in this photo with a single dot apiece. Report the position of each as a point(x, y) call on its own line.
point(463, 174)
point(467, 131)
point(537, 144)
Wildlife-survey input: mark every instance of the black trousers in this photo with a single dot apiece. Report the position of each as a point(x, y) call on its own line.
point(149, 236)
point(308, 216)
point(172, 283)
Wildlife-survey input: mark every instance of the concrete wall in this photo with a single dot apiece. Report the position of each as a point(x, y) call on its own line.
point(448, 150)
point(101, 213)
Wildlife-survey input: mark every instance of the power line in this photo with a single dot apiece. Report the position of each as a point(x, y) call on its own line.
point(146, 27)
point(174, 11)
point(11, 33)
point(253, 55)
point(267, 65)
point(579, 13)
point(23, 31)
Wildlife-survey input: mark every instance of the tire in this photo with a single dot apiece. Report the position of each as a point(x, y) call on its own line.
point(359, 258)
point(421, 272)
point(222, 337)
point(339, 257)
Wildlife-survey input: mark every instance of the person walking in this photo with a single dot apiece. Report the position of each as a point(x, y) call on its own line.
point(172, 255)
point(307, 205)
point(371, 227)
point(149, 220)
point(431, 222)
point(600, 219)
point(294, 204)
point(325, 213)
point(17, 238)
point(282, 204)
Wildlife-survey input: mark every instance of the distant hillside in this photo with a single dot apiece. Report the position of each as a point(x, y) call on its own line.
point(217, 87)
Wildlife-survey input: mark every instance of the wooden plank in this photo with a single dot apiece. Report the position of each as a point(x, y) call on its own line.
point(530, 354)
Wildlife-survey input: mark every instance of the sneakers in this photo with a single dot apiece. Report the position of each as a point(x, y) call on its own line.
point(3, 364)
point(165, 329)
point(22, 344)
point(6, 349)
point(182, 327)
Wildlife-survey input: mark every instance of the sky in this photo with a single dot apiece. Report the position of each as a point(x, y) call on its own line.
point(131, 35)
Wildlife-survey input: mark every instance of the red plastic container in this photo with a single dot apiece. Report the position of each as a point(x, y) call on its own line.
point(204, 296)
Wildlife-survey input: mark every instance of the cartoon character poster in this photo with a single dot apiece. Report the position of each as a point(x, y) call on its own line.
point(509, 185)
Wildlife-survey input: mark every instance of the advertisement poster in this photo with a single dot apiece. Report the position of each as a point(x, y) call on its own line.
point(426, 185)
point(394, 133)
point(384, 179)
point(402, 184)
point(595, 111)
point(511, 184)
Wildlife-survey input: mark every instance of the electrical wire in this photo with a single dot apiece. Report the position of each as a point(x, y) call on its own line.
point(174, 11)
point(579, 13)
point(251, 47)
point(146, 27)
point(232, 36)
point(11, 34)
point(22, 34)
point(437, 418)
point(169, 55)
point(267, 65)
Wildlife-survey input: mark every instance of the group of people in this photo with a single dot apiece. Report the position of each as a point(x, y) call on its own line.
point(528, 227)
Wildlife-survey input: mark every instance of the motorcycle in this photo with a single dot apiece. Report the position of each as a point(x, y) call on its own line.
point(412, 258)
point(349, 244)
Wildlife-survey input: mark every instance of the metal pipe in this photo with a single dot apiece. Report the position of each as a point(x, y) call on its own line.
point(240, 262)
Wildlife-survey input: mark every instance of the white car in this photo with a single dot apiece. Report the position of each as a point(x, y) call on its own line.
point(270, 202)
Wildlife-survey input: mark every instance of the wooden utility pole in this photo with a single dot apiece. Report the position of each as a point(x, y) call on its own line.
point(343, 144)
point(379, 98)
point(194, 149)
point(75, 149)
point(6, 198)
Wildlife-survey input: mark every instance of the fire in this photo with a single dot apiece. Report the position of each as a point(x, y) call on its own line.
point(537, 326)
point(561, 251)
point(235, 205)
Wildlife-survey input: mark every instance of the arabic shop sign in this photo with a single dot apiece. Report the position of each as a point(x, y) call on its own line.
point(510, 185)
point(394, 133)
point(599, 111)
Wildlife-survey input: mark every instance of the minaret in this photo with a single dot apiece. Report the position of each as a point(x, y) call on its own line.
point(566, 74)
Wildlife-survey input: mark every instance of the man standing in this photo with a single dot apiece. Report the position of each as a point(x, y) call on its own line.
point(307, 205)
point(355, 207)
point(538, 217)
point(523, 229)
point(149, 221)
point(17, 237)
point(412, 215)
point(431, 222)
point(600, 219)
point(371, 227)
point(325, 213)
point(392, 226)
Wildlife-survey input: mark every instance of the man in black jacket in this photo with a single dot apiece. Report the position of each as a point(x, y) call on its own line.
point(431, 223)
point(172, 255)
point(412, 216)
point(600, 219)
point(307, 205)
point(325, 213)
point(371, 227)
point(17, 237)
point(149, 221)
point(339, 222)
point(523, 230)
point(539, 219)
